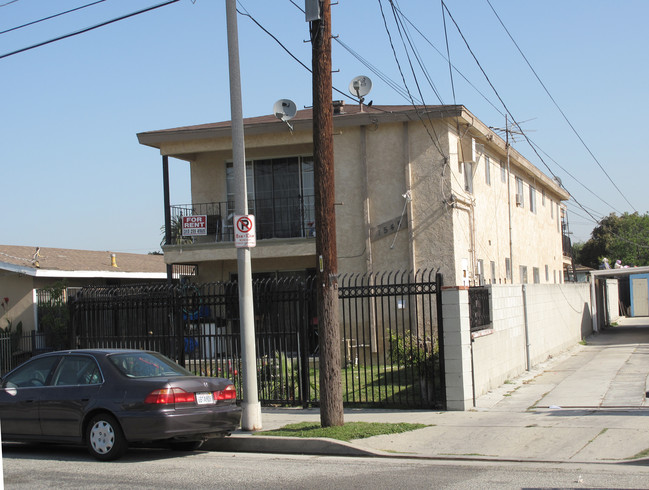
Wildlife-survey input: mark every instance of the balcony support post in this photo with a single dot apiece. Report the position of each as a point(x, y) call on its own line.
point(167, 205)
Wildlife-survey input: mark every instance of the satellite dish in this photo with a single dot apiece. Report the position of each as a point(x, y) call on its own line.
point(284, 109)
point(360, 86)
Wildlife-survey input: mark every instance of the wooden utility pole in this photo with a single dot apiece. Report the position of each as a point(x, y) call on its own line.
point(331, 403)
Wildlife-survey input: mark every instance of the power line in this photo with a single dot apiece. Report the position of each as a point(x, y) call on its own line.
point(50, 17)
point(574, 178)
point(557, 105)
point(503, 102)
point(403, 78)
point(288, 51)
point(445, 58)
point(388, 81)
point(88, 29)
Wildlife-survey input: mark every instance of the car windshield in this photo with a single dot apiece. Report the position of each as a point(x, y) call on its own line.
point(147, 365)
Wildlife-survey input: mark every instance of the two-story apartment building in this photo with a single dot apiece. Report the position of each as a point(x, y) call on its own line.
point(416, 188)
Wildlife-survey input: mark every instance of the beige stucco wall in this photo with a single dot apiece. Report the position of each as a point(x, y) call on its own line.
point(19, 290)
point(482, 219)
point(443, 227)
point(216, 271)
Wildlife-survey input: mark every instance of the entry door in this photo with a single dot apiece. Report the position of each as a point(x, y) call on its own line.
point(640, 297)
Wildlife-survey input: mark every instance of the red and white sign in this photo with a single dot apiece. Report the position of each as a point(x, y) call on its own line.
point(244, 231)
point(194, 225)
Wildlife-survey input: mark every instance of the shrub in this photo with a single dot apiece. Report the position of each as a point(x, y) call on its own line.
point(421, 353)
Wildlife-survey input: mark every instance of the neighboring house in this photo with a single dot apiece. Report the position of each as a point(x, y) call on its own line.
point(416, 188)
point(25, 270)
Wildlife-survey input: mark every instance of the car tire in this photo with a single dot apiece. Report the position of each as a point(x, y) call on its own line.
point(104, 437)
point(185, 445)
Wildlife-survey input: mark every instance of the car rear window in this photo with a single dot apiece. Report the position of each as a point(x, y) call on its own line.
point(147, 365)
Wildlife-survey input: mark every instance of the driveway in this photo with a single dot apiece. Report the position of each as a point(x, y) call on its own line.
point(610, 371)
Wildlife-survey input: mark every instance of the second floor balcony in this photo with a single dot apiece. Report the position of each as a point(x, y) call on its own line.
point(290, 217)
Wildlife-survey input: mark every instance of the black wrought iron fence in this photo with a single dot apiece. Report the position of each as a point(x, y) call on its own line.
point(479, 308)
point(17, 348)
point(390, 325)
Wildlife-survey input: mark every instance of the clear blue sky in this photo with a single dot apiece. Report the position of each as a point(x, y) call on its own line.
point(74, 176)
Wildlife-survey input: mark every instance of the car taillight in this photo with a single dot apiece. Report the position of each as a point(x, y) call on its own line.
point(168, 396)
point(229, 393)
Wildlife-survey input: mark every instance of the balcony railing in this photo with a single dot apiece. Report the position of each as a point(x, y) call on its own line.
point(275, 218)
point(566, 245)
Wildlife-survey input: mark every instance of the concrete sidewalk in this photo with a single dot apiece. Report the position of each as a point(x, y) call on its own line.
point(587, 405)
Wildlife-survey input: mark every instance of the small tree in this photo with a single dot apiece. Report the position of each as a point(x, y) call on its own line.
point(55, 316)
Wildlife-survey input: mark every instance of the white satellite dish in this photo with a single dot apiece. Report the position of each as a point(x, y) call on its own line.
point(360, 86)
point(285, 110)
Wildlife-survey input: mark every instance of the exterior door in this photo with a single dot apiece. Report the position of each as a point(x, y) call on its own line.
point(640, 297)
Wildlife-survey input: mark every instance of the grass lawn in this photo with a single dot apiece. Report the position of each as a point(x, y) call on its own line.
point(347, 432)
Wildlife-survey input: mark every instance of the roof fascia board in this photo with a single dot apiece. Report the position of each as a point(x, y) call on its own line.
point(629, 271)
point(156, 139)
point(517, 160)
point(33, 272)
point(100, 274)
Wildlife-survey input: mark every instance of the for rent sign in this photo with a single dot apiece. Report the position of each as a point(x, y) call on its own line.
point(194, 225)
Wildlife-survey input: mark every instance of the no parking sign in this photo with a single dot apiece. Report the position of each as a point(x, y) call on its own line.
point(244, 231)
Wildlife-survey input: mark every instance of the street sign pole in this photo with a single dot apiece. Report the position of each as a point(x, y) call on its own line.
point(251, 417)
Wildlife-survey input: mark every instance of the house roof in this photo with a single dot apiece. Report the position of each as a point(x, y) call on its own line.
point(62, 262)
point(349, 115)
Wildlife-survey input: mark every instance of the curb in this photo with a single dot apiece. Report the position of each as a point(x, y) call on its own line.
point(249, 443)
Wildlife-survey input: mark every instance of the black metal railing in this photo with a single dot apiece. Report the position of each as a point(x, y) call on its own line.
point(389, 325)
point(16, 348)
point(292, 217)
point(390, 329)
point(566, 245)
point(479, 308)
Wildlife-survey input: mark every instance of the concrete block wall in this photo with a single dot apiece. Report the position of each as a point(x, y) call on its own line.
point(499, 354)
point(558, 317)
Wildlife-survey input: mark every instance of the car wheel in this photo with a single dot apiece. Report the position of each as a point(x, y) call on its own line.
point(104, 438)
point(186, 445)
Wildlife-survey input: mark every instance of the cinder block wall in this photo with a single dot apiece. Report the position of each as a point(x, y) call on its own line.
point(499, 354)
point(558, 317)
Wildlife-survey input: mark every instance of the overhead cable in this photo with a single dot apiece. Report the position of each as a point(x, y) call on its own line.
point(288, 51)
point(502, 101)
point(88, 29)
point(559, 108)
point(51, 17)
point(403, 78)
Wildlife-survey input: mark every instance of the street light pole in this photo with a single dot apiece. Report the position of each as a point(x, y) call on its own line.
point(251, 417)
